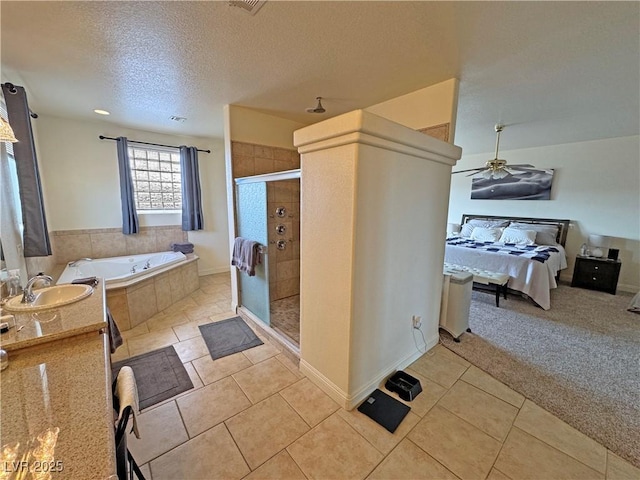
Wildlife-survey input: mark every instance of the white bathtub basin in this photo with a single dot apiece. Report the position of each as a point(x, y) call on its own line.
point(50, 297)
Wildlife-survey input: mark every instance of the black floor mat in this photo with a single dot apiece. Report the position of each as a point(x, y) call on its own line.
point(385, 410)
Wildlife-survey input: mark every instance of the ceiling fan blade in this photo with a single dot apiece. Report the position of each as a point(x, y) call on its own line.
point(521, 169)
point(470, 170)
point(526, 165)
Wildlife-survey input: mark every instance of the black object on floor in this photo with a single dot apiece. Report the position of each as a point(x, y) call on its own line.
point(406, 386)
point(159, 375)
point(385, 410)
point(227, 337)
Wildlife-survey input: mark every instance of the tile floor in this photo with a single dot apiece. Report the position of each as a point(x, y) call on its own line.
point(285, 317)
point(253, 415)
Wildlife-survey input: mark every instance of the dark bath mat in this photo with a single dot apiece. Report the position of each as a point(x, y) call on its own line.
point(228, 337)
point(385, 410)
point(159, 375)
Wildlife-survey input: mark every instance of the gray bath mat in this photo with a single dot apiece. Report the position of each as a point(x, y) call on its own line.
point(159, 375)
point(228, 337)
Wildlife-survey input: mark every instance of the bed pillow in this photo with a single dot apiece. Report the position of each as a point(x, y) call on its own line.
point(545, 234)
point(484, 234)
point(518, 236)
point(468, 227)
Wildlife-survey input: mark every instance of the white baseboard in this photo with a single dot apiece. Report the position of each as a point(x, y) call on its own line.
point(347, 401)
point(326, 385)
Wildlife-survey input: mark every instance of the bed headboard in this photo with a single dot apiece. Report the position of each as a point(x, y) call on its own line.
point(563, 225)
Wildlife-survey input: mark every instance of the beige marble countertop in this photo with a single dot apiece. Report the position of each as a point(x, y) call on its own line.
point(83, 316)
point(57, 410)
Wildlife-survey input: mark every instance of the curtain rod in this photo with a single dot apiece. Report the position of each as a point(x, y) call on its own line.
point(102, 137)
point(12, 90)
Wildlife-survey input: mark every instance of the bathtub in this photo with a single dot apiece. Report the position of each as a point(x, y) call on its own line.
point(120, 269)
point(139, 286)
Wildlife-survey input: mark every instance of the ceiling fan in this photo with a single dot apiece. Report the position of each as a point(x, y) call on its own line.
point(498, 168)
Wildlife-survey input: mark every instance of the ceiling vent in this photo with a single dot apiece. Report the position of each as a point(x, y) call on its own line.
point(178, 119)
point(249, 6)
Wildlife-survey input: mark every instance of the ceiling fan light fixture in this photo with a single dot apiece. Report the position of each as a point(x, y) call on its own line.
point(497, 168)
point(498, 174)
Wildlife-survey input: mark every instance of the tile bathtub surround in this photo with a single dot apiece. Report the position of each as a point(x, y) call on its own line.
point(266, 420)
point(69, 245)
point(133, 305)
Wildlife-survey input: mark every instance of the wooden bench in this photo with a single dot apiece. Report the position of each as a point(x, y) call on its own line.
point(484, 277)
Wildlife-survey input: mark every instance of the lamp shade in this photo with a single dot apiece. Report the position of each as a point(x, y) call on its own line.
point(601, 241)
point(453, 228)
point(6, 132)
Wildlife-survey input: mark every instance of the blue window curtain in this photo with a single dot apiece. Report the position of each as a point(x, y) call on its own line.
point(130, 223)
point(191, 195)
point(35, 236)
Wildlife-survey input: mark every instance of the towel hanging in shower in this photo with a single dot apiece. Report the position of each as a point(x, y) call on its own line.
point(246, 255)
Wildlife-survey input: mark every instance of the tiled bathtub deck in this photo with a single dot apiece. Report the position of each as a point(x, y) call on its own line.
point(253, 415)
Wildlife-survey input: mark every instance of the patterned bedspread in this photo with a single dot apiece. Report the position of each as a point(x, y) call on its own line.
point(531, 269)
point(540, 253)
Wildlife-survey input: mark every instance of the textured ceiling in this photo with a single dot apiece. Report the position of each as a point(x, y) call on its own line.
point(554, 72)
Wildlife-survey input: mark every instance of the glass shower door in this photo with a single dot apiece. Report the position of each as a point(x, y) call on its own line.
point(251, 203)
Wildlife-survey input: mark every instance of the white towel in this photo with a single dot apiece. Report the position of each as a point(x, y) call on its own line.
point(127, 393)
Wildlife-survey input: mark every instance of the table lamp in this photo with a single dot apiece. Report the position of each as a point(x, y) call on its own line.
point(598, 243)
point(453, 228)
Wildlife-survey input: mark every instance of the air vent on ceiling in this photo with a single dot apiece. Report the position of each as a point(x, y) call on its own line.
point(178, 119)
point(249, 6)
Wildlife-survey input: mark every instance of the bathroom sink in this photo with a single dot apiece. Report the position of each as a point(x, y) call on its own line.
point(50, 297)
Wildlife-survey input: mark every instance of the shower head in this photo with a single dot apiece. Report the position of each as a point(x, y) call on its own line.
point(318, 109)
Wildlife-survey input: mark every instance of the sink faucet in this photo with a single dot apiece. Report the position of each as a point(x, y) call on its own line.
point(28, 296)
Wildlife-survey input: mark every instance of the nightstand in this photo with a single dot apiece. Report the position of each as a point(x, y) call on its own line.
point(596, 274)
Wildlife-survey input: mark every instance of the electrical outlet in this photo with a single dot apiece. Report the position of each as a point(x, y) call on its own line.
point(417, 321)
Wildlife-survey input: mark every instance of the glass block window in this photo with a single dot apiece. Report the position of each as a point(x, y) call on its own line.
point(156, 178)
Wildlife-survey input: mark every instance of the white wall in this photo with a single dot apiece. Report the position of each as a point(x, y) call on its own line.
point(433, 105)
point(373, 208)
point(251, 126)
point(81, 183)
point(596, 185)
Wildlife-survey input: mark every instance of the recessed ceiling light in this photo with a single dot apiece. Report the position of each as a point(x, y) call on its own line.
point(101, 112)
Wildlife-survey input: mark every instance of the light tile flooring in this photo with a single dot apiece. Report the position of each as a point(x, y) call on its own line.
point(253, 415)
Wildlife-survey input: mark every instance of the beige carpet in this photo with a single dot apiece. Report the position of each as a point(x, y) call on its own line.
point(579, 360)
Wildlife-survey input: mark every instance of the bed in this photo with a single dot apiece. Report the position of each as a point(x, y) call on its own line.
point(533, 268)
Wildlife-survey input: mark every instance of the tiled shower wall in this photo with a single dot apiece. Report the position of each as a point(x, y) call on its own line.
point(248, 159)
point(284, 265)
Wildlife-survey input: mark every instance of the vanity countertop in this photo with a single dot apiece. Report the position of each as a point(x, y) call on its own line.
point(34, 328)
point(57, 412)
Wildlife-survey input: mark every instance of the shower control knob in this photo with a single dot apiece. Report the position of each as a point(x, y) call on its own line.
point(281, 212)
point(281, 229)
point(281, 245)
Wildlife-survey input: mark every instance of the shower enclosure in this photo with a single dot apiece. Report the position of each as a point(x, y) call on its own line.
point(268, 212)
